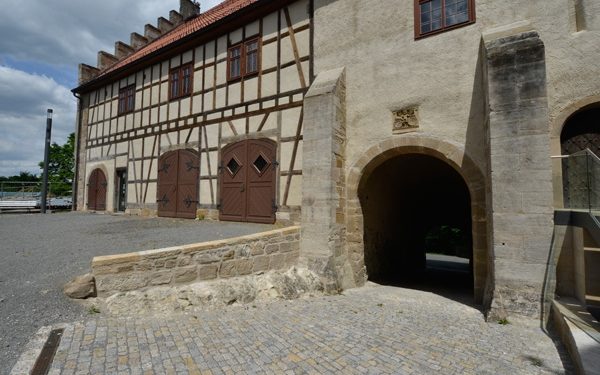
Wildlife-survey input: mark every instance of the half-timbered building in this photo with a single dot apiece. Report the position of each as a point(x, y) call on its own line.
point(201, 115)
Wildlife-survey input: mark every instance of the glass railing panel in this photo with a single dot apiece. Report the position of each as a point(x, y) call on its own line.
point(581, 181)
point(594, 178)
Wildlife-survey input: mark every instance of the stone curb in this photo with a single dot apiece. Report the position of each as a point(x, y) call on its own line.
point(33, 350)
point(105, 260)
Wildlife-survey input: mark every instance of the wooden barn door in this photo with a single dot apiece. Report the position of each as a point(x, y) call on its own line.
point(178, 184)
point(97, 191)
point(248, 181)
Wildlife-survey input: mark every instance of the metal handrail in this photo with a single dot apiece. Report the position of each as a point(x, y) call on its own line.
point(26, 190)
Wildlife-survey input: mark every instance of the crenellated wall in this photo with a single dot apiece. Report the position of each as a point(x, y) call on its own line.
point(187, 10)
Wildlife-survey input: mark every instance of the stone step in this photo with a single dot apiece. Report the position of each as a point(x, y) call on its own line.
point(580, 333)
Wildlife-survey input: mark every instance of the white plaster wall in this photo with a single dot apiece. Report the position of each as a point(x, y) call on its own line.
point(153, 108)
point(388, 69)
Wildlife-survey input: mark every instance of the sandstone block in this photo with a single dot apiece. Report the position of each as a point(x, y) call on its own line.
point(81, 287)
point(185, 261)
point(273, 248)
point(244, 266)
point(258, 248)
point(227, 254)
point(208, 272)
point(261, 263)
point(242, 251)
point(277, 261)
point(185, 274)
point(126, 283)
point(161, 278)
point(228, 269)
point(207, 257)
point(285, 247)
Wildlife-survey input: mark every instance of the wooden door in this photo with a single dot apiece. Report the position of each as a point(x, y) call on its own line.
point(187, 184)
point(260, 206)
point(97, 191)
point(178, 173)
point(233, 183)
point(248, 181)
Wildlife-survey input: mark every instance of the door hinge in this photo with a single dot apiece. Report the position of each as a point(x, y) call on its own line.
point(164, 199)
point(188, 202)
point(190, 165)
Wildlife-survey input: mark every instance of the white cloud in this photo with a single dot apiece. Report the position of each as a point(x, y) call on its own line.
point(24, 99)
point(67, 32)
point(44, 41)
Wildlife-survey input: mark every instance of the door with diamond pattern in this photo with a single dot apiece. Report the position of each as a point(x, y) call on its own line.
point(178, 173)
point(248, 181)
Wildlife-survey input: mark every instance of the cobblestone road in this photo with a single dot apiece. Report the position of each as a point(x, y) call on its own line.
point(374, 330)
point(40, 253)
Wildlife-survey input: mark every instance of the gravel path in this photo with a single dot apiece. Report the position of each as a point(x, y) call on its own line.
point(40, 253)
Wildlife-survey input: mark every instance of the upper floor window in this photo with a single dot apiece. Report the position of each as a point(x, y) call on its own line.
point(126, 99)
point(434, 16)
point(243, 59)
point(180, 81)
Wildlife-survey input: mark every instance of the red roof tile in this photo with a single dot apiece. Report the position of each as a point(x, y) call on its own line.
point(203, 20)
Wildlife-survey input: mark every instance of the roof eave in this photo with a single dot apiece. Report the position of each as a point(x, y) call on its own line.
point(231, 21)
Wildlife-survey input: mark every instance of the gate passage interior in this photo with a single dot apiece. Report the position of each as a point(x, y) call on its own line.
point(248, 181)
point(97, 191)
point(178, 173)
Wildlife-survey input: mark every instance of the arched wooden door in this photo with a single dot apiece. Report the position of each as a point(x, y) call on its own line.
point(248, 181)
point(97, 191)
point(178, 173)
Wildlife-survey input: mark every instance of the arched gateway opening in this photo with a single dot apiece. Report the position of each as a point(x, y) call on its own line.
point(422, 220)
point(417, 225)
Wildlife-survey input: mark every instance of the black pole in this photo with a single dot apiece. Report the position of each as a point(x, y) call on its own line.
point(46, 157)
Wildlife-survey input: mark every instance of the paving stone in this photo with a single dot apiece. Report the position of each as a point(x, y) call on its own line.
point(370, 330)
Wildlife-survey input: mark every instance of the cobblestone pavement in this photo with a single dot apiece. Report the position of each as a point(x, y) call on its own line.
point(40, 253)
point(370, 330)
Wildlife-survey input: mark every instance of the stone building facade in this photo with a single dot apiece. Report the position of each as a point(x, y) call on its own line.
point(371, 124)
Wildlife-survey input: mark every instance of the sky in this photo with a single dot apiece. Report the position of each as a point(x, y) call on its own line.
point(42, 43)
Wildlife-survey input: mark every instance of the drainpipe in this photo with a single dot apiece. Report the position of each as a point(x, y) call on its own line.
point(77, 145)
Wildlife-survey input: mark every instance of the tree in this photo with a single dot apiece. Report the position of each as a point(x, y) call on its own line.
point(22, 177)
point(61, 166)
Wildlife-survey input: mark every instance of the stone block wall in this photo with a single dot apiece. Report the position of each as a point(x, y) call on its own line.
point(274, 250)
point(520, 178)
point(323, 192)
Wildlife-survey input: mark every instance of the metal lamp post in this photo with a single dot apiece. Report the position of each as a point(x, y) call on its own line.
point(46, 157)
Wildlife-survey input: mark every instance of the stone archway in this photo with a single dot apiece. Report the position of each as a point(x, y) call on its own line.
point(454, 156)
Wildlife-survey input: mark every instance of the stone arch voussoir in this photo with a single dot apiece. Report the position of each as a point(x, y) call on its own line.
point(451, 153)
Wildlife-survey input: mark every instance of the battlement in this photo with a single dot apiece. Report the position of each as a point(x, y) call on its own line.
point(187, 9)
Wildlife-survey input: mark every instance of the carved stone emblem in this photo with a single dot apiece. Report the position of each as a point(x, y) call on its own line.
point(406, 119)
